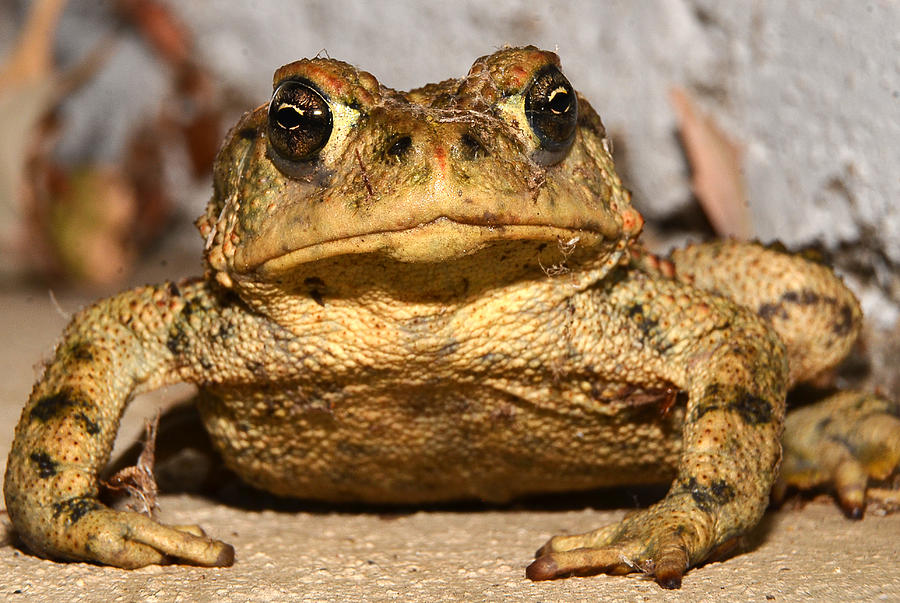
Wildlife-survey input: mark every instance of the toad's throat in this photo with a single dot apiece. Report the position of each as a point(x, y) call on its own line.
point(439, 240)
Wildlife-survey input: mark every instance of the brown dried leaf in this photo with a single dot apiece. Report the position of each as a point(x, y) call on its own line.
point(160, 28)
point(198, 115)
point(138, 480)
point(201, 126)
point(144, 166)
point(716, 165)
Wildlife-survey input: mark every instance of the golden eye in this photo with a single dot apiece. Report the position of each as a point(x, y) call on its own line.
point(300, 120)
point(552, 111)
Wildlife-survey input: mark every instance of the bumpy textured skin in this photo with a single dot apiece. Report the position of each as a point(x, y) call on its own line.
point(431, 310)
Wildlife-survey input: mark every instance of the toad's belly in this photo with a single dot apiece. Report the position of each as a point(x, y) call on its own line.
point(437, 442)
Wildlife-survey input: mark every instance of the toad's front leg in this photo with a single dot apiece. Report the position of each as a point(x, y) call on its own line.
point(734, 369)
point(65, 435)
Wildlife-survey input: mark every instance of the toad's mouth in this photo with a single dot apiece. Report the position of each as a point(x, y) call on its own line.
point(438, 240)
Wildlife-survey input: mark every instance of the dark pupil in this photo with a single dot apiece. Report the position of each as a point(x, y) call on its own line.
point(289, 117)
point(560, 100)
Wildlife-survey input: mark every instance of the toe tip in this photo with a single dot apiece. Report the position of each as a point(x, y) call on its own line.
point(852, 510)
point(669, 581)
point(225, 557)
point(543, 568)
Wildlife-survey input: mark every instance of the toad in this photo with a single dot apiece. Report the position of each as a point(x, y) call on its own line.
point(440, 294)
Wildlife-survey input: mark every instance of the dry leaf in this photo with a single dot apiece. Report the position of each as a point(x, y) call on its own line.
point(159, 26)
point(716, 166)
point(138, 480)
point(198, 115)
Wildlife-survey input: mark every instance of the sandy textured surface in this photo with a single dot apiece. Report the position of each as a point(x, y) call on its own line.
point(809, 554)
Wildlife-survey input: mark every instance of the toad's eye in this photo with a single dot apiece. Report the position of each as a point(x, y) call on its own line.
point(299, 120)
point(552, 112)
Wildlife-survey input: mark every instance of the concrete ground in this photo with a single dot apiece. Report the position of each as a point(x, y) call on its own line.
point(322, 554)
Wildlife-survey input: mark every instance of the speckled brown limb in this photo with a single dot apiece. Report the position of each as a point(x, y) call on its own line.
point(735, 371)
point(842, 441)
point(109, 352)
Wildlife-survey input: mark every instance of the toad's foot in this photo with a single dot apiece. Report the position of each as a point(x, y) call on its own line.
point(82, 529)
point(661, 541)
point(842, 441)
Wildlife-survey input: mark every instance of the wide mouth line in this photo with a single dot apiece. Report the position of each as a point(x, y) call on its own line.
point(561, 232)
point(445, 220)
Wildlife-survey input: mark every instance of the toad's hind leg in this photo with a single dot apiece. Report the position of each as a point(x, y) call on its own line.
point(810, 308)
point(844, 440)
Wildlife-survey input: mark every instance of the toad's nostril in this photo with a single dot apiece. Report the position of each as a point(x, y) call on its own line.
point(399, 147)
point(471, 147)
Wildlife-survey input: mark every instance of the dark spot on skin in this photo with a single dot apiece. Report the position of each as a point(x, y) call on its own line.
point(649, 328)
point(708, 498)
point(768, 311)
point(314, 286)
point(491, 359)
point(588, 121)
point(471, 147)
point(448, 349)
point(224, 332)
point(90, 426)
point(82, 351)
point(845, 325)
point(248, 133)
point(257, 368)
point(178, 340)
point(46, 466)
point(399, 147)
point(844, 441)
point(753, 409)
point(365, 176)
point(50, 407)
point(54, 405)
point(646, 325)
point(823, 424)
point(75, 508)
point(173, 290)
point(807, 297)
